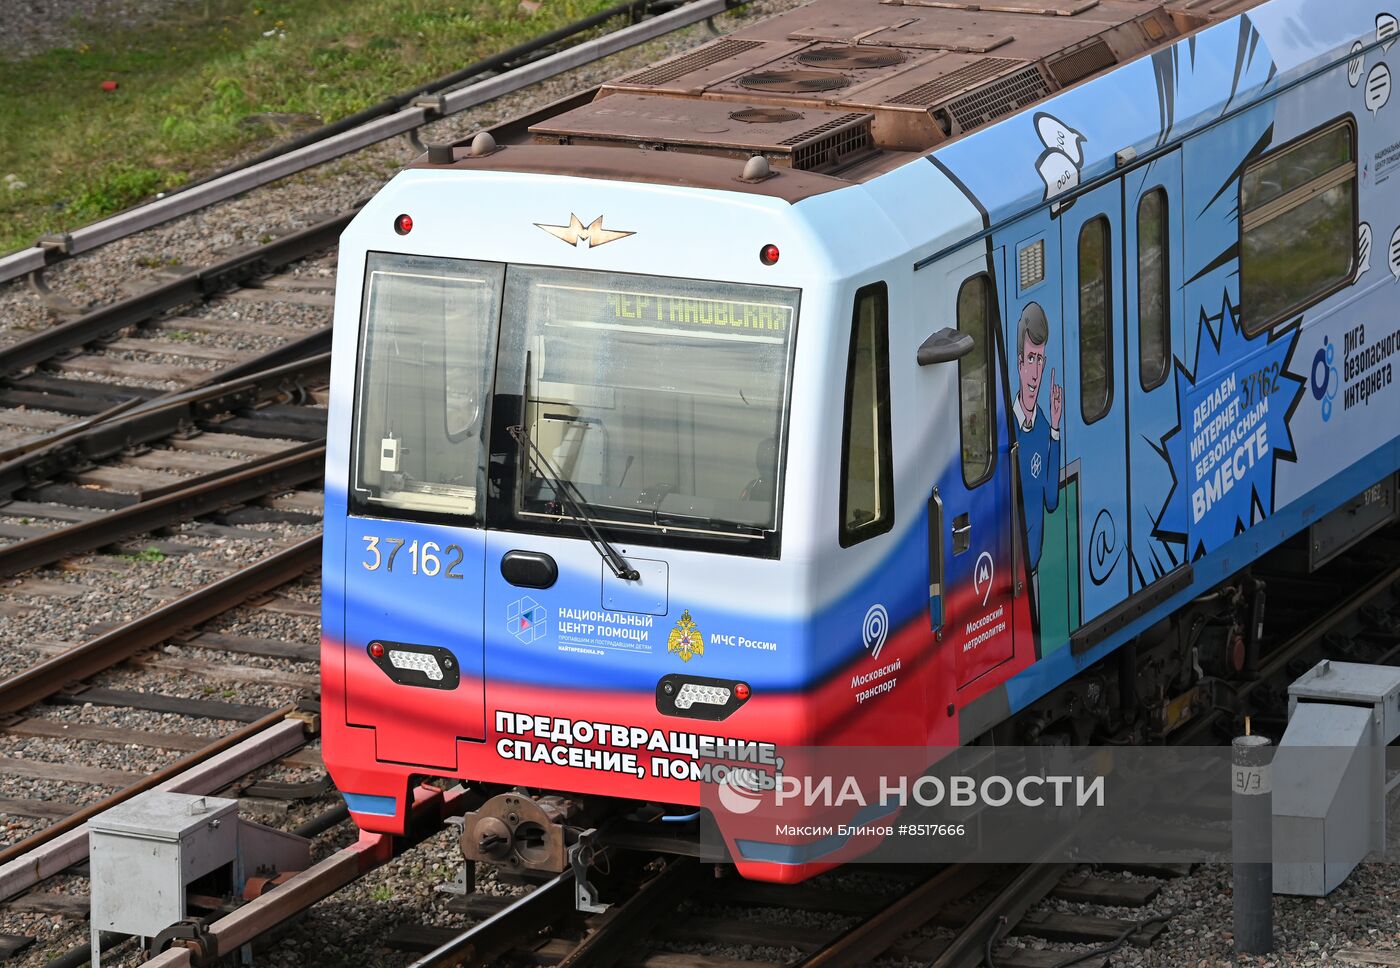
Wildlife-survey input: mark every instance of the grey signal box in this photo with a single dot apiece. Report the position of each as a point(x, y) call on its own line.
point(1329, 775)
point(145, 852)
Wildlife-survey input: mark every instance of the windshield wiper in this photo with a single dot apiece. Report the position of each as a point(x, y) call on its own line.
point(719, 526)
point(564, 490)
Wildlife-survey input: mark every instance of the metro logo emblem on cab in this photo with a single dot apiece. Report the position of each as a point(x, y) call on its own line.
point(592, 235)
point(685, 639)
point(874, 629)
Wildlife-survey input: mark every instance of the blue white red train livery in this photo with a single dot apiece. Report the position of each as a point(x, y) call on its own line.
point(1034, 323)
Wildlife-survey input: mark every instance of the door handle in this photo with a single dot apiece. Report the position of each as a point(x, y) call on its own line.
point(962, 533)
point(935, 561)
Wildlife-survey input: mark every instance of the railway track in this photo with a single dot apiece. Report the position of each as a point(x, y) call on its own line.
point(679, 914)
point(162, 430)
point(182, 698)
point(403, 114)
point(1030, 916)
point(116, 492)
point(190, 414)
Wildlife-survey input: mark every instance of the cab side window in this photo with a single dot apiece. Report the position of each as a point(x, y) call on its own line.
point(867, 478)
point(976, 427)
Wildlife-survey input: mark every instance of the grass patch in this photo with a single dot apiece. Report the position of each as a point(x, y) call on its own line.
point(150, 553)
point(214, 79)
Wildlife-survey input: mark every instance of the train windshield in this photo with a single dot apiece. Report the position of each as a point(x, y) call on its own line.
point(662, 401)
point(429, 341)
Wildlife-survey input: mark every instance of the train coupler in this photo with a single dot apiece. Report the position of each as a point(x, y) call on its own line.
point(520, 832)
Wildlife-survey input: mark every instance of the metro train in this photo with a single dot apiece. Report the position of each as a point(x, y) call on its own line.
point(889, 373)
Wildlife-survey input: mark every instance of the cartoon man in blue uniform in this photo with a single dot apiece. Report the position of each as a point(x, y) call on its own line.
point(1039, 438)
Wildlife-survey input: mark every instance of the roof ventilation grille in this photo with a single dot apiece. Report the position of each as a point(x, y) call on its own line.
point(829, 145)
point(793, 82)
point(704, 57)
point(764, 115)
point(1089, 59)
point(998, 98)
point(960, 80)
point(850, 58)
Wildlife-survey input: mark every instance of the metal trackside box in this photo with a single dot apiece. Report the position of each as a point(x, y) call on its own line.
point(145, 852)
point(1330, 779)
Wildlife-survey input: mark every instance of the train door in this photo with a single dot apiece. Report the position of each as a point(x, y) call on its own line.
point(414, 542)
point(1152, 232)
point(1035, 354)
point(414, 618)
point(1090, 410)
point(979, 568)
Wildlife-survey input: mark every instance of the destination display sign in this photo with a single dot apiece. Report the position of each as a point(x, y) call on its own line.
point(636, 309)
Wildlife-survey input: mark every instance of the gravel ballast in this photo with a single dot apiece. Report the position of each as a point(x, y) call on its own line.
point(350, 927)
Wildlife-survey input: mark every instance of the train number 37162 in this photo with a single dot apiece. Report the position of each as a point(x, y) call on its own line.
point(426, 558)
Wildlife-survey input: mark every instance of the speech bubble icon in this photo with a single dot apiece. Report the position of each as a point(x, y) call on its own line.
point(1377, 88)
point(1059, 173)
point(1058, 136)
point(1357, 64)
point(1363, 248)
point(1386, 29)
point(1395, 254)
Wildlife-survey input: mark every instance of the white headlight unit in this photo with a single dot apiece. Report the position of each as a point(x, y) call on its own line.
point(692, 693)
point(419, 661)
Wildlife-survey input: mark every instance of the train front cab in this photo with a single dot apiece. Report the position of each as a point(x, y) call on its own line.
point(585, 511)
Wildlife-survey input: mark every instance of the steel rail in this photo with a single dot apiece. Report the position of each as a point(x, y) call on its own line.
point(401, 122)
point(205, 946)
point(312, 454)
point(97, 655)
point(70, 847)
point(140, 421)
point(495, 62)
point(615, 935)
point(147, 782)
point(480, 943)
point(236, 485)
point(194, 287)
point(315, 343)
point(865, 941)
point(1029, 887)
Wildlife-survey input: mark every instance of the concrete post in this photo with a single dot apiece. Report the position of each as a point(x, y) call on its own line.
point(1251, 809)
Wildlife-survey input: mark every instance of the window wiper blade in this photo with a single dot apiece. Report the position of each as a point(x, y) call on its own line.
point(564, 490)
point(732, 529)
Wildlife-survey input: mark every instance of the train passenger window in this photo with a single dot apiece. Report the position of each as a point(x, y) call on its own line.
point(1154, 318)
point(1297, 225)
point(867, 478)
point(428, 342)
point(975, 380)
point(1095, 343)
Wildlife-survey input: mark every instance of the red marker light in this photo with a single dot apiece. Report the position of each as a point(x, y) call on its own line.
point(376, 649)
point(768, 255)
point(403, 224)
point(741, 691)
